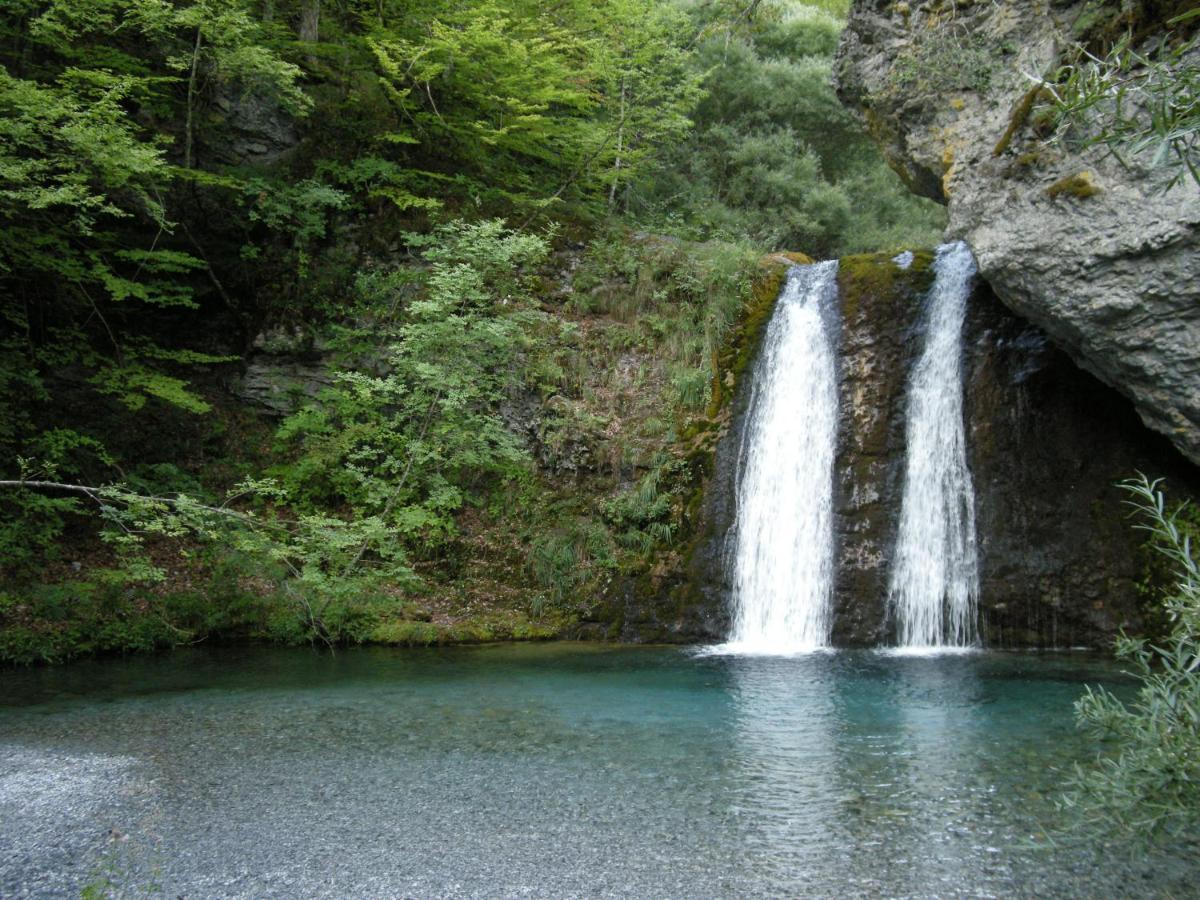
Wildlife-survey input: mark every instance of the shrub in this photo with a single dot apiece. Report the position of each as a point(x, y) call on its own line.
point(1148, 786)
point(1134, 103)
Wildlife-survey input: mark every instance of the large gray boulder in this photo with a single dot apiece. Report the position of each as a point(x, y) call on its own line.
point(1097, 254)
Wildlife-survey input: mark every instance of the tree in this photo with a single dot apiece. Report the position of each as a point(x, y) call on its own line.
point(649, 84)
point(773, 156)
point(85, 181)
point(516, 106)
point(95, 265)
point(413, 428)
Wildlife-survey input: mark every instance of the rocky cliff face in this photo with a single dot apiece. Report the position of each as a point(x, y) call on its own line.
point(1097, 254)
point(1047, 442)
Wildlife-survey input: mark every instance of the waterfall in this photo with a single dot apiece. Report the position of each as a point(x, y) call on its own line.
point(783, 550)
point(934, 581)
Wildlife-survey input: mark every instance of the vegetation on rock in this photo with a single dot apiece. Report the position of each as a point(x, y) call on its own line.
point(1135, 99)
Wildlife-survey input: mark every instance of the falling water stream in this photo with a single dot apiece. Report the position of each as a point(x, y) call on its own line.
point(934, 581)
point(783, 545)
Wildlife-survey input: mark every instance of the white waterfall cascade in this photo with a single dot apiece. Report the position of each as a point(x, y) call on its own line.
point(783, 554)
point(934, 580)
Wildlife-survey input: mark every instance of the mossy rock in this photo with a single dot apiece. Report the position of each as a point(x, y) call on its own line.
point(744, 339)
point(1018, 117)
point(534, 631)
point(405, 633)
point(1081, 185)
point(875, 275)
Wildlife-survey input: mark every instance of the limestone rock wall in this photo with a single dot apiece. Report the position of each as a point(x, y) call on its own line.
point(1110, 273)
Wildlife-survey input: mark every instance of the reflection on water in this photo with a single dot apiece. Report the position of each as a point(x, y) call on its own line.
point(786, 737)
point(550, 771)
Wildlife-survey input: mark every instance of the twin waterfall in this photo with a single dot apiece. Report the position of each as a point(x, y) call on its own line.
point(783, 540)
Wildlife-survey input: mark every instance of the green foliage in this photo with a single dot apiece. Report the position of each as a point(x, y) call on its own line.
point(1147, 787)
point(405, 633)
point(235, 594)
point(506, 105)
point(300, 211)
point(73, 166)
point(1141, 104)
point(53, 623)
point(323, 569)
point(408, 435)
point(31, 522)
point(679, 300)
point(774, 158)
point(507, 89)
point(567, 558)
point(645, 517)
point(95, 100)
point(944, 59)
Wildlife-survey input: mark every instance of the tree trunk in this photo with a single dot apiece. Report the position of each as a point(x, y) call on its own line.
point(192, 91)
point(612, 191)
point(310, 25)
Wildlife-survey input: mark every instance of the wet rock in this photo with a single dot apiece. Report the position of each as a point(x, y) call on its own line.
point(880, 339)
point(1047, 443)
point(1060, 560)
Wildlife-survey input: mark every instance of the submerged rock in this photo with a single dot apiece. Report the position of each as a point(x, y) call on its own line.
point(1097, 253)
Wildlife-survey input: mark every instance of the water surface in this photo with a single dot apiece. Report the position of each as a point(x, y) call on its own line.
point(553, 770)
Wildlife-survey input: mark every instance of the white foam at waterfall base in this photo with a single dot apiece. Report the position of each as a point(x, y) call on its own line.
point(934, 583)
point(783, 539)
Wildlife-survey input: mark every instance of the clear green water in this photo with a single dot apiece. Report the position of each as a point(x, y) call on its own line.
point(554, 770)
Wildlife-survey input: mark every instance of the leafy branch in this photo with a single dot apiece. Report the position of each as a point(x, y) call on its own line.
point(1149, 785)
point(1133, 102)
